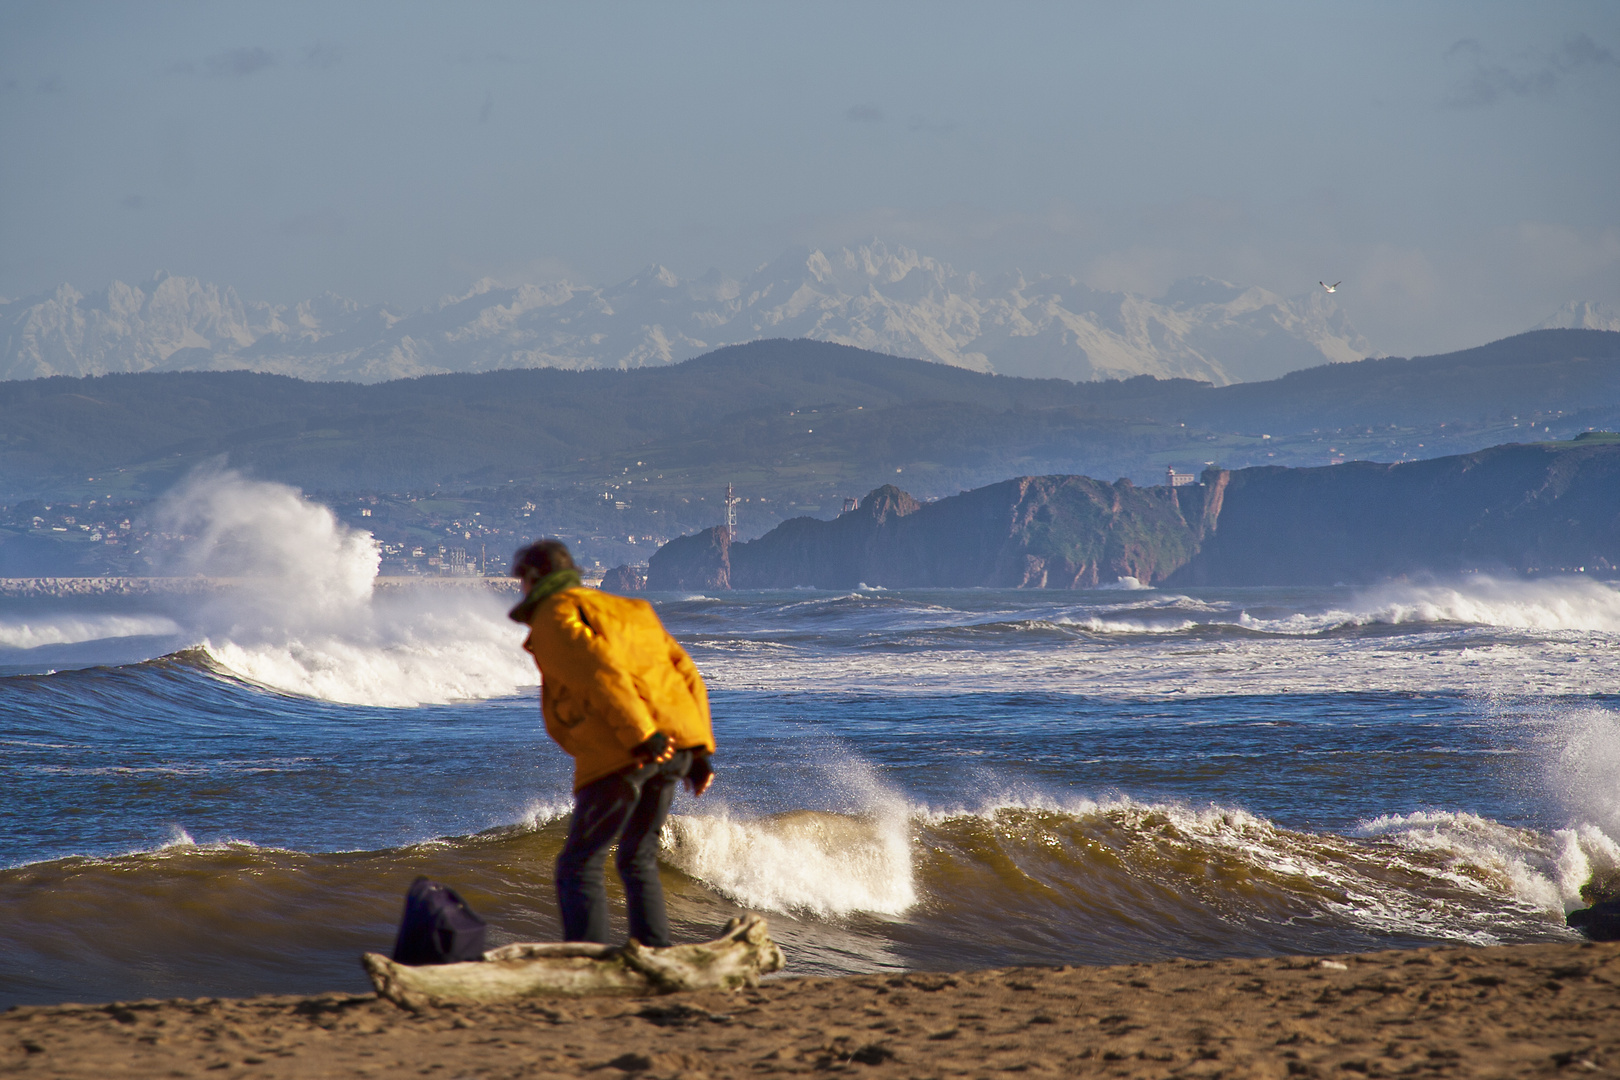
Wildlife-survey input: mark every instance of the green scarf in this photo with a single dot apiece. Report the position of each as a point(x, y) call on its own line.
point(554, 582)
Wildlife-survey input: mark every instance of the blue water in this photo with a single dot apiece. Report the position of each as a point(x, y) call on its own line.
point(226, 791)
point(114, 760)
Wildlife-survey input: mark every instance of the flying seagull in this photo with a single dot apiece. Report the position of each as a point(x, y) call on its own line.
point(1330, 288)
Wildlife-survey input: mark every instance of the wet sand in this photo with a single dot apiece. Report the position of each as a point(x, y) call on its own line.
point(1521, 1011)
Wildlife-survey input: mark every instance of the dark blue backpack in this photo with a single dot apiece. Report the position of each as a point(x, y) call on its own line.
point(438, 927)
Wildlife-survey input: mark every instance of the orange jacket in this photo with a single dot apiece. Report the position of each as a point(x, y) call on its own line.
point(611, 676)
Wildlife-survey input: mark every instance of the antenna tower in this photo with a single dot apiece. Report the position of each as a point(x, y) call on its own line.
point(731, 513)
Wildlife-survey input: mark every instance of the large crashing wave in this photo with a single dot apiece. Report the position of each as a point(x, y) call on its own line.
point(1547, 604)
point(1440, 876)
point(300, 614)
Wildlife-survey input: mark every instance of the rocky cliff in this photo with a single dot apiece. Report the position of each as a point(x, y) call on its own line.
point(699, 561)
point(1517, 508)
point(1031, 532)
point(624, 579)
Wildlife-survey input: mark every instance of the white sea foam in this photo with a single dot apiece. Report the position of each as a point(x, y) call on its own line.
point(1125, 583)
point(1581, 852)
point(815, 861)
point(302, 619)
point(1102, 624)
point(1552, 636)
point(1394, 874)
point(538, 813)
point(1397, 886)
point(805, 860)
point(70, 630)
point(1171, 663)
point(1561, 603)
point(180, 841)
point(1475, 854)
point(433, 659)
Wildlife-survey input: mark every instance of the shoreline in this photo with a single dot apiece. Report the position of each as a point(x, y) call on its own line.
point(1463, 1011)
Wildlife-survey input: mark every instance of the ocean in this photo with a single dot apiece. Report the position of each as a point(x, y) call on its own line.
point(227, 791)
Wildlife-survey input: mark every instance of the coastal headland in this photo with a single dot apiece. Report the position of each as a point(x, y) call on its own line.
point(1519, 508)
point(1518, 1011)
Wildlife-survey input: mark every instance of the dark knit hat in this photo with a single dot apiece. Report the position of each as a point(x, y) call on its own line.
point(541, 558)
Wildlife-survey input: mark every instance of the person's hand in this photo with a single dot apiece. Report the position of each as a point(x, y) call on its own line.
point(700, 775)
point(655, 750)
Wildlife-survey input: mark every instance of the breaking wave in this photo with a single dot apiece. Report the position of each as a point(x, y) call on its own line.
point(1563, 603)
point(804, 860)
point(1434, 876)
point(300, 614)
point(1547, 604)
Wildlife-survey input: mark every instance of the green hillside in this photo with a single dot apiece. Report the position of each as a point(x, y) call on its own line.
point(803, 416)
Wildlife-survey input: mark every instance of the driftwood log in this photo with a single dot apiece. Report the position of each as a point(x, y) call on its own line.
point(737, 958)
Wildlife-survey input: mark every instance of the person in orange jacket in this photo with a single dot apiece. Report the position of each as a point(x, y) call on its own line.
point(627, 703)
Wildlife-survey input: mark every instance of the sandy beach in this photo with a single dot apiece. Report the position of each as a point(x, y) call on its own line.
point(1530, 1010)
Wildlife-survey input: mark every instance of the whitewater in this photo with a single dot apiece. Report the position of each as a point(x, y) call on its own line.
point(227, 791)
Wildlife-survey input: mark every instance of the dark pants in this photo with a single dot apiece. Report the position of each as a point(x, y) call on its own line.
point(629, 807)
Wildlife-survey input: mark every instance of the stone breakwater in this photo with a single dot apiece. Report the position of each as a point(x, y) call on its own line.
point(50, 587)
point(55, 587)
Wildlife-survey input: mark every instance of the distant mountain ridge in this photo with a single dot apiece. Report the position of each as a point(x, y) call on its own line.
point(1584, 315)
point(894, 301)
point(806, 419)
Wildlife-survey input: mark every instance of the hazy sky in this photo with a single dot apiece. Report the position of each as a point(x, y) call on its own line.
point(1457, 164)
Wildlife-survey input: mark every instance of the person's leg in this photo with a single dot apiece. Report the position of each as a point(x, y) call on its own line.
point(601, 809)
point(637, 857)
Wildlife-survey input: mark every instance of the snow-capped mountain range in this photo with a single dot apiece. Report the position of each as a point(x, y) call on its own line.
point(1583, 315)
point(890, 300)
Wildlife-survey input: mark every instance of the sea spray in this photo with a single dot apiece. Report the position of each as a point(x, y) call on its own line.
point(298, 613)
point(298, 563)
point(1554, 603)
point(1124, 583)
point(801, 861)
point(820, 861)
point(1580, 754)
point(1577, 751)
